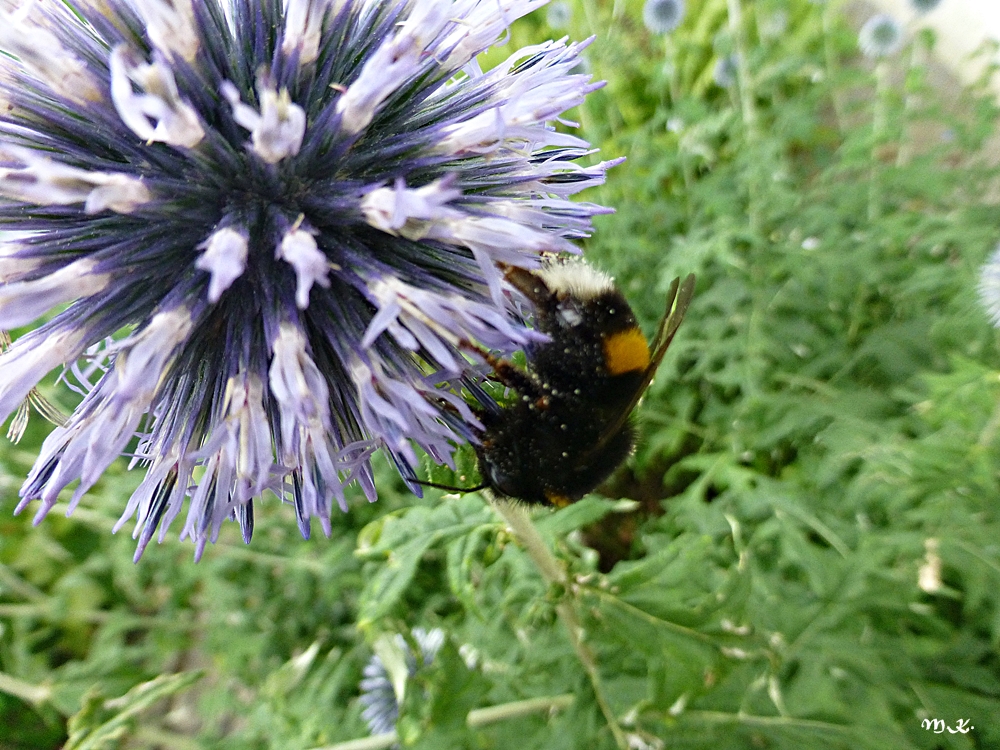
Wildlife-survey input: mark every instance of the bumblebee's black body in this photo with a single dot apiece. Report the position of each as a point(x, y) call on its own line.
point(569, 427)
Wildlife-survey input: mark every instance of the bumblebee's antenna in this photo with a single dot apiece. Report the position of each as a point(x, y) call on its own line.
point(437, 486)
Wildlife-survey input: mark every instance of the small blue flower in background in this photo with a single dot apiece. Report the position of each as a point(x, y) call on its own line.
point(559, 14)
point(663, 16)
point(266, 229)
point(378, 695)
point(924, 6)
point(724, 72)
point(881, 36)
point(773, 25)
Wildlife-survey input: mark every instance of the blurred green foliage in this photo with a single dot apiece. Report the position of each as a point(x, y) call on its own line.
point(813, 560)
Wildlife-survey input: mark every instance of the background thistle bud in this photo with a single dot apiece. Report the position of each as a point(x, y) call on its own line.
point(881, 36)
point(663, 16)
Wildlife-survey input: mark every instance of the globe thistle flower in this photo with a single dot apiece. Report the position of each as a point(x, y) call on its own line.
point(663, 16)
point(881, 36)
point(725, 71)
point(268, 231)
point(378, 695)
point(924, 6)
point(559, 14)
point(773, 25)
point(989, 287)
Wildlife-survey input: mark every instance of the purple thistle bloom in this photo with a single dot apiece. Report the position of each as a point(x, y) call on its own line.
point(268, 229)
point(378, 694)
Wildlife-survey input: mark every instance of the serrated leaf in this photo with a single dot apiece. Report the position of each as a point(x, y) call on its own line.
point(585, 512)
point(388, 585)
point(462, 556)
point(688, 649)
point(404, 540)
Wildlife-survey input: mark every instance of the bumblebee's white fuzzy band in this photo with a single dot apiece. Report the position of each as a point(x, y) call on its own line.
point(575, 278)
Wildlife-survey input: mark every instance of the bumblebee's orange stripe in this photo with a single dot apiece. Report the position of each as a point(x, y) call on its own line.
point(626, 351)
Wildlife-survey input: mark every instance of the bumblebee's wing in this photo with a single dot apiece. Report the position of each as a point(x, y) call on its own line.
point(669, 324)
point(678, 299)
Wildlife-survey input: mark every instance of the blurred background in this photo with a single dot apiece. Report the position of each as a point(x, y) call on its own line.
point(960, 26)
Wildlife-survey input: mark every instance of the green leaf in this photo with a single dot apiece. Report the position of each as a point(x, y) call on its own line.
point(402, 543)
point(585, 512)
point(101, 723)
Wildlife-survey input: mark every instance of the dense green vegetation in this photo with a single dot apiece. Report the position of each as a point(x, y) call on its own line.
point(804, 551)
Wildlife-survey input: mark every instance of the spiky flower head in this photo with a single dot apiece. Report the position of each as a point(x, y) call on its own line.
point(881, 36)
point(924, 6)
point(378, 691)
point(663, 16)
point(268, 230)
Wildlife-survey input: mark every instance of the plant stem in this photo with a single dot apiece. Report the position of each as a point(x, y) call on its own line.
point(747, 105)
point(830, 54)
point(755, 173)
point(520, 523)
point(911, 100)
point(879, 125)
point(748, 108)
point(989, 431)
point(478, 717)
point(375, 742)
point(33, 694)
point(671, 69)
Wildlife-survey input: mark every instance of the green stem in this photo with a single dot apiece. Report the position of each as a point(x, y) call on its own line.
point(880, 118)
point(910, 101)
point(747, 105)
point(153, 736)
point(478, 717)
point(671, 68)
point(19, 586)
point(520, 523)
point(375, 742)
point(829, 20)
point(989, 431)
point(590, 11)
point(748, 108)
point(26, 691)
point(47, 611)
point(749, 720)
point(756, 187)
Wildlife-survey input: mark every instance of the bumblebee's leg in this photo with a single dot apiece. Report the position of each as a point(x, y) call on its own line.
point(527, 283)
point(509, 374)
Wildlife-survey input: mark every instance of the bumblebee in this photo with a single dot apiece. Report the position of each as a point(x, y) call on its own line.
point(568, 428)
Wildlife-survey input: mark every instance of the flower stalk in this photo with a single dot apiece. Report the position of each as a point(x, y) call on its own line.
point(524, 530)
